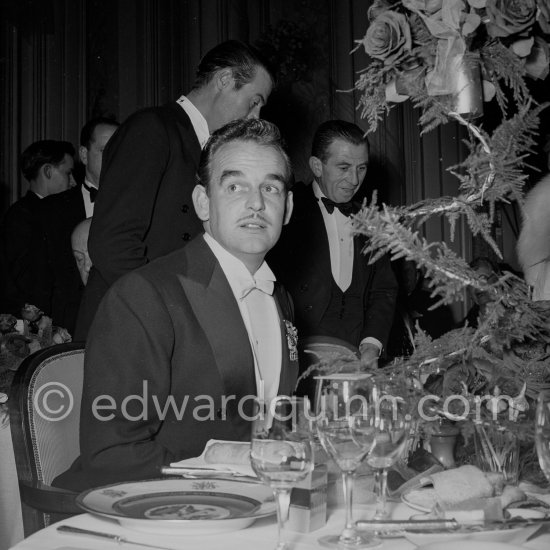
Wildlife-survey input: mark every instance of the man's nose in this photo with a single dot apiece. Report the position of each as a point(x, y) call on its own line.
point(256, 200)
point(72, 182)
point(254, 113)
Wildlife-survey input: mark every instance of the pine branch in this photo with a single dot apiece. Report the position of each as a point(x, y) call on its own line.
point(372, 85)
point(500, 63)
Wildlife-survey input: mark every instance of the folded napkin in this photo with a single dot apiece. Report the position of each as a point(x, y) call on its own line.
point(462, 484)
point(233, 458)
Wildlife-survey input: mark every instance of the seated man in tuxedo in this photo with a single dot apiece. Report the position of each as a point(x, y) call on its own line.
point(182, 346)
point(58, 285)
point(336, 291)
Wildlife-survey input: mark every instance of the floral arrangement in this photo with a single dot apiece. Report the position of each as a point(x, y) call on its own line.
point(433, 50)
point(37, 332)
point(418, 49)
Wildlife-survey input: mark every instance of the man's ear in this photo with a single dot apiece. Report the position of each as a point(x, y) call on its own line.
point(316, 165)
point(224, 78)
point(201, 202)
point(83, 154)
point(47, 170)
point(288, 207)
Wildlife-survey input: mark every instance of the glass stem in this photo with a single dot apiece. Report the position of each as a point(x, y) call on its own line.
point(381, 479)
point(282, 497)
point(348, 534)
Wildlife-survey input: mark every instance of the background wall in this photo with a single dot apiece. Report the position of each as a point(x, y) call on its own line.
point(64, 61)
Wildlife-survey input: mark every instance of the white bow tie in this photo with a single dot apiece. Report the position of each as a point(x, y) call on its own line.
point(264, 285)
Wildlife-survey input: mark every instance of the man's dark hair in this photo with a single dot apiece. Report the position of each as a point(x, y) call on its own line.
point(243, 60)
point(46, 151)
point(331, 130)
point(87, 132)
point(255, 130)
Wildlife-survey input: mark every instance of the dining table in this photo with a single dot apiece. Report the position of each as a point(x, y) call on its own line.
point(261, 534)
point(11, 519)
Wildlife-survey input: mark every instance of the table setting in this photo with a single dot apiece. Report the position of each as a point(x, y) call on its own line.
point(292, 486)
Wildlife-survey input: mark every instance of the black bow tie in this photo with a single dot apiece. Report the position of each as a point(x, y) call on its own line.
point(92, 191)
point(345, 207)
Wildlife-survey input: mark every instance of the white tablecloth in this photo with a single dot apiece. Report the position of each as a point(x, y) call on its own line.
point(261, 535)
point(11, 521)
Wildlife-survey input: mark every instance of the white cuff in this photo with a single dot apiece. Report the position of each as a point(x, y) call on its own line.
point(374, 342)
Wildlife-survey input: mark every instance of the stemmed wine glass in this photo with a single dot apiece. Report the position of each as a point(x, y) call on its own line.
point(391, 426)
point(347, 437)
point(281, 453)
point(542, 432)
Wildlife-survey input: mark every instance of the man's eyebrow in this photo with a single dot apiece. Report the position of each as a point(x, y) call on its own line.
point(226, 174)
point(275, 177)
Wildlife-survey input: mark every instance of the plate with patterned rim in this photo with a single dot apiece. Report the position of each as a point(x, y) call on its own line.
point(182, 506)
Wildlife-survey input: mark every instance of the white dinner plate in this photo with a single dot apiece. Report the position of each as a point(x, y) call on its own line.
point(182, 506)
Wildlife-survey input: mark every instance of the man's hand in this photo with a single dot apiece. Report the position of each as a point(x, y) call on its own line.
point(369, 355)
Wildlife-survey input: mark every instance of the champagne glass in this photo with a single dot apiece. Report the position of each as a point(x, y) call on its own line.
point(542, 432)
point(391, 430)
point(281, 453)
point(347, 437)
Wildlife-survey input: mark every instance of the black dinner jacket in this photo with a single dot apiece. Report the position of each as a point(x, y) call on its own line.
point(301, 261)
point(143, 209)
point(175, 324)
point(17, 268)
point(58, 283)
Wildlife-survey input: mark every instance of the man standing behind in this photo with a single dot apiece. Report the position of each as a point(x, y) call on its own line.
point(196, 335)
point(336, 292)
point(94, 136)
point(58, 285)
point(47, 165)
point(144, 207)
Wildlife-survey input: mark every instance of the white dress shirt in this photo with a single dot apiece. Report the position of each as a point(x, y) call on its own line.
point(88, 204)
point(197, 120)
point(260, 316)
point(340, 241)
point(339, 230)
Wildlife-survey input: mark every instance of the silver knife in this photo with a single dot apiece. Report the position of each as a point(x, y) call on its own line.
point(115, 538)
point(408, 525)
point(446, 525)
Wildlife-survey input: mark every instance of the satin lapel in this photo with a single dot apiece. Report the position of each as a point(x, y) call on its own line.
point(317, 238)
point(80, 201)
point(289, 366)
point(365, 269)
point(218, 314)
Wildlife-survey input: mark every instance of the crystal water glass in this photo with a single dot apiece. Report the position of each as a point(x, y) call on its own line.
point(281, 453)
point(348, 438)
point(391, 427)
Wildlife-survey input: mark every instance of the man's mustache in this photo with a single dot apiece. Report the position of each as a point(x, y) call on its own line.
point(254, 217)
